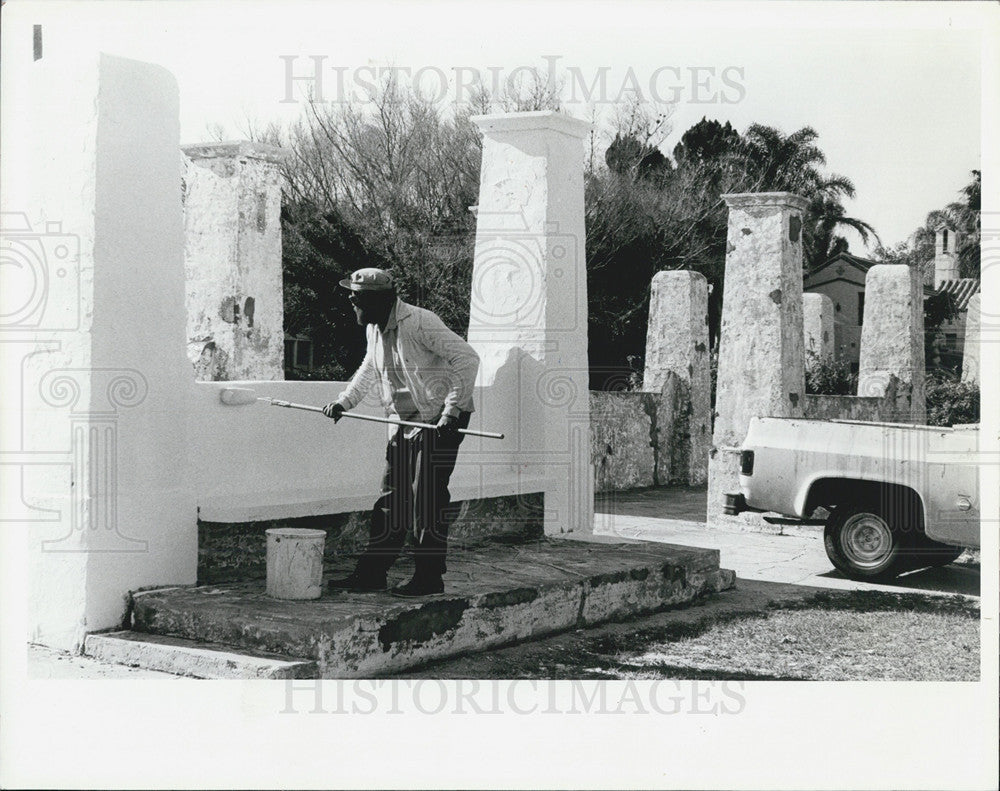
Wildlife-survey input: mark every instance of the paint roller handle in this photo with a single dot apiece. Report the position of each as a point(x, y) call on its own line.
point(373, 419)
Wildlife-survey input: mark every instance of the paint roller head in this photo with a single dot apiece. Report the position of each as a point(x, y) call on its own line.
point(237, 396)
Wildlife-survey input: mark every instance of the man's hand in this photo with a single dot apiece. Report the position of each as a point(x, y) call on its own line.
point(447, 425)
point(334, 410)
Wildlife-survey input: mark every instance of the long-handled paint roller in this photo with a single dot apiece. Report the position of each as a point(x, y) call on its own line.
point(236, 396)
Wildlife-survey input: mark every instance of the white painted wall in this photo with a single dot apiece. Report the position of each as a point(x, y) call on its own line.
point(260, 456)
point(528, 317)
point(104, 395)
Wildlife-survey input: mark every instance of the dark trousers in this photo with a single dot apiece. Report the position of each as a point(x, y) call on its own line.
point(414, 499)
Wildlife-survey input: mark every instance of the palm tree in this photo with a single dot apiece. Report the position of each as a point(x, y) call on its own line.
point(772, 160)
point(820, 238)
point(963, 217)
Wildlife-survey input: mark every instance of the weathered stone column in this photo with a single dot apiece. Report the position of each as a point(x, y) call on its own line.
point(761, 357)
point(528, 318)
point(232, 260)
point(102, 394)
point(677, 342)
point(892, 339)
point(970, 353)
point(817, 321)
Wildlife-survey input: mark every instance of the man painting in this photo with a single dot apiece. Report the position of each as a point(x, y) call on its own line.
point(424, 372)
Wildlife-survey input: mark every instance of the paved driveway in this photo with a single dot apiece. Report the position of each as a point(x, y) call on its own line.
point(676, 515)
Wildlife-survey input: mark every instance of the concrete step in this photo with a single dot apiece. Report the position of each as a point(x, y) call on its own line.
point(494, 595)
point(186, 657)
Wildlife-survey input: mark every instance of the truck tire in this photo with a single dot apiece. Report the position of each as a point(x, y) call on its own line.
point(864, 544)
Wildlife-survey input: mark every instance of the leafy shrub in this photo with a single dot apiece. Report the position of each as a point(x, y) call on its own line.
point(950, 401)
point(333, 372)
point(829, 377)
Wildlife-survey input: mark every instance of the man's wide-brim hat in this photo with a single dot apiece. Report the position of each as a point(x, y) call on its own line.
point(369, 279)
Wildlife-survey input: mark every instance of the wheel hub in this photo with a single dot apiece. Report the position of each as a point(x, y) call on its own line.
point(867, 540)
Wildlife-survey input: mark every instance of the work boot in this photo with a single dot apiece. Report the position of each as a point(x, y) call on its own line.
point(420, 585)
point(360, 582)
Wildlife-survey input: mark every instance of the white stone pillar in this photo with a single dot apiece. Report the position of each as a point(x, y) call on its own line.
point(892, 339)
point(102, 385)
point(970, 353)
point(232, 259)
point(677, 342)
point(817, 321)
point(761, 356)
point(528, 318)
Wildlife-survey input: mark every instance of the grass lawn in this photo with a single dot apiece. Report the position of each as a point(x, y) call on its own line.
point(851, 636)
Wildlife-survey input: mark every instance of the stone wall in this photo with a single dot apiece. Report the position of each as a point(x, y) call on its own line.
point(232, 261)
point(839, 407)
point(677, 346)
point(892, 339)
point(970, 351)
point(817, 322)
point(640, 439)
point(237, 551)
point(761, 347)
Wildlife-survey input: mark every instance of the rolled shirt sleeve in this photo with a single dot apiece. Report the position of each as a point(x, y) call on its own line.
point(364, 378)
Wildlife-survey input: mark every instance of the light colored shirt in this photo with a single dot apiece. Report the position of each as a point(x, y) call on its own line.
point(417, 363)
point(401, 400)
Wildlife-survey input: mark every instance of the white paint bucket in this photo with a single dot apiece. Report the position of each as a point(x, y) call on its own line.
point(295, 563)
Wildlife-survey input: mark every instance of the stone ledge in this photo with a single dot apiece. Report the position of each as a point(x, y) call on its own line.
point(236, 148)
point(191, 658)
point(747, 200)
point(494, 596)
point(535, 120)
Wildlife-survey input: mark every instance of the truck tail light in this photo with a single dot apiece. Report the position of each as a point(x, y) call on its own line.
point(746, 462)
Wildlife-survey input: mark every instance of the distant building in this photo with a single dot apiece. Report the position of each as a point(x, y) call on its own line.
point(950, 340)
point(298, 354)
point(842, 278)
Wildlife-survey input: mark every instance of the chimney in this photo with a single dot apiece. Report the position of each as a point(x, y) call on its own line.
point(945, 255)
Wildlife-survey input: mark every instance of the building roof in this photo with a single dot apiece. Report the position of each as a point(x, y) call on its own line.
point(961, 290)
point(842, 266)
point(861, 263)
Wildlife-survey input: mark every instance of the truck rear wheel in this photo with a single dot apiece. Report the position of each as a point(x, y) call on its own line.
point(864, 544)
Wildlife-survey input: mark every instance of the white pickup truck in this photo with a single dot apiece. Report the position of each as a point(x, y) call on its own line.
point(894, 497)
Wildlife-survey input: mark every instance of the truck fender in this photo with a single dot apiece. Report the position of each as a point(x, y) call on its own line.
point(802, 498)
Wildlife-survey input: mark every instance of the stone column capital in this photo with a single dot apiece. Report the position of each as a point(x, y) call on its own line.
point(535, 121)
point(747, 200)
point(236, 148)
point(679, 275)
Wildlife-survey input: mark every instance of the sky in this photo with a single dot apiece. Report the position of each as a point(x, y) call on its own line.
point(893, 90)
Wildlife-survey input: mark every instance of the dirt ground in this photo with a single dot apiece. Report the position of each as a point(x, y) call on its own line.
point(755, 631)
